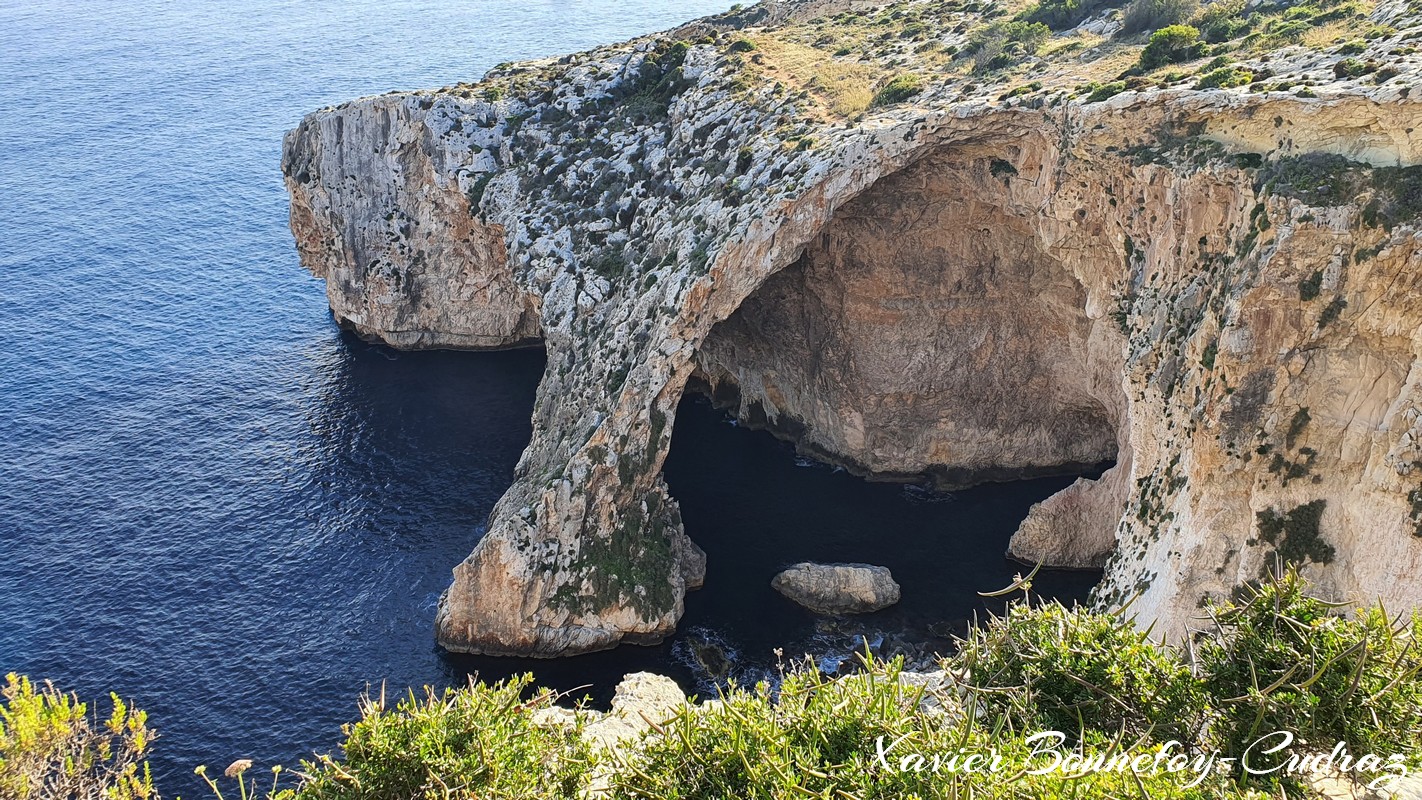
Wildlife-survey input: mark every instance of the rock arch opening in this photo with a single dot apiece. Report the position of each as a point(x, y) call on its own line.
point(925, 332)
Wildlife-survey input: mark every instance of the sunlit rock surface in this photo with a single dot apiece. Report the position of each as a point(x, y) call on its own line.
point(1215, 289)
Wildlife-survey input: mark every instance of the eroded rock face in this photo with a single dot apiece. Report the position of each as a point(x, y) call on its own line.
point(924, 332)
point(838, 589)
point(378, 211)
point(965, 286)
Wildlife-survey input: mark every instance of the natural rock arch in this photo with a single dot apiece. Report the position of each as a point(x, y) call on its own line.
point(1156, 263)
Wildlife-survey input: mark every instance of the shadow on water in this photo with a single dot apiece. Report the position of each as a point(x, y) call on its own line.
point(755, 506)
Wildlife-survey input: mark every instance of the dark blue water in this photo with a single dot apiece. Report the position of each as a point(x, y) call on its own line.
point(213, 502)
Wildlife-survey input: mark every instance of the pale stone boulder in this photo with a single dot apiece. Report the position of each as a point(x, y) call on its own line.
point(838, 588)
point(642, 700)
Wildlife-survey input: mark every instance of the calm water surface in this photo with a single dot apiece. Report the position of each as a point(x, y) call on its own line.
point(213, 502)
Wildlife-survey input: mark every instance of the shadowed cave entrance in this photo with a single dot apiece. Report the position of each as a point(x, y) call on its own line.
point(755, 505)
point(924, 337)
point(925, 333)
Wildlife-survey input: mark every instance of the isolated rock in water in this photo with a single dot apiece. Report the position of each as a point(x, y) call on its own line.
point(711, 657)
point(838, 588)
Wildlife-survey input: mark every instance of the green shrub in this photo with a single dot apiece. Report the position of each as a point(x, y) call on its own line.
point(647, 94)
point(1105, 91)
point(1351, 68)
point(1060, 14)
point(1289, 32)
point(1224, 78)
point(1331, 312)
point(1026, 88)
point(1222, 20)
point(1280, 661)
point(50, 748)
point(898, 90)
point(1148, 15)
point(821, 737)
point(1298, 423)
point(1002, 44)
point(1310, 286)
point(1050, 668)
point(475, 742)
point(1275, 660)
point(1297, 534)
point(741, 46)
point(1171, 45)
point(610, 265)
point(476, 190)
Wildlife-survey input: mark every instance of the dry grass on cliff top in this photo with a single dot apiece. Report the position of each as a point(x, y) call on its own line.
point(843, 88)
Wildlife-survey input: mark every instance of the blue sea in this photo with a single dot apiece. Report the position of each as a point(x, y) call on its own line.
point(216, 504)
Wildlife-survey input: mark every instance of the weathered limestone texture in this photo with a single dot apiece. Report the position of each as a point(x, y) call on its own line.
point(836, 589)
point(1217, 289)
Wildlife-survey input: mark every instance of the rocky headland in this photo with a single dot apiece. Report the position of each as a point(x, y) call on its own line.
point(929, 241)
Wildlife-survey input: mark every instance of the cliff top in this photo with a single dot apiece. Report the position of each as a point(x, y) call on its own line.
point(831, 60)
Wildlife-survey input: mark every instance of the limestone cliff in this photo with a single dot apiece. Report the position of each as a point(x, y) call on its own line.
point(996, 267)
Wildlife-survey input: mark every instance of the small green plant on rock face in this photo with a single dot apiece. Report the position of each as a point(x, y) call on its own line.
point(1105, 91)
point(1297, 534)
point(898, 90)
point(610, 265)
point(1297, 424)
point(1001, 169)
point(476, 192)
point(1149, 15)
point(1331, 312)
point(1352, 68)
point(1390, 196)
point(50, 748)
point(1172, 45)
point(648, 94)
point(1225, 78)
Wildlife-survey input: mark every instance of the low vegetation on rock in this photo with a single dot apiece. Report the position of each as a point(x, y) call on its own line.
point(1275, 659)
point(1172, 45)
point(53, 748)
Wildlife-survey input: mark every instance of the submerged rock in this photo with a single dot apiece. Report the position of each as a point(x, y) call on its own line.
point(711, 657)
point(838, 588)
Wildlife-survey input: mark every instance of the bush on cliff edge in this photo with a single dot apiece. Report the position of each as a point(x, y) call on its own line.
point(51, 748)
point(1276, 659)
point(476, 742)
